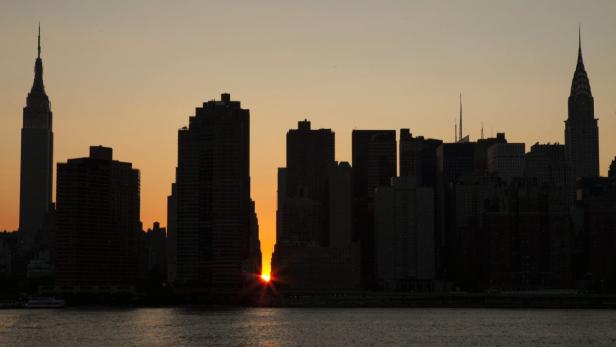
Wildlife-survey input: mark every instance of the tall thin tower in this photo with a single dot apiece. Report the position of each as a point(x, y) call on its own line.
point(460, 136)
point(36, 155)
point(581, 130)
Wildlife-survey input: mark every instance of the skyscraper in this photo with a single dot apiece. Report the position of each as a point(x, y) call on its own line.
point(313, 228)
point(418, 158)
point(404, 236)
point(36, 155)
point(454, 161)
point(374, 160)
point(304, 208)
point(374, 164)
point(98, 211)
point(581, 130)
point(212, 197)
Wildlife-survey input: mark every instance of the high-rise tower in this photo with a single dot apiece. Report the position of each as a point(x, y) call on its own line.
point(36, 155)
point(213, 209)
point(98, 210)
point(303, 210)
point(581, 130)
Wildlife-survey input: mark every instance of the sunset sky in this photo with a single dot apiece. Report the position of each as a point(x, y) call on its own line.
point(128, 74)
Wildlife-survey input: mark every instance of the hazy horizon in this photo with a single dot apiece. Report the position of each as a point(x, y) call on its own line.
point(129, 75)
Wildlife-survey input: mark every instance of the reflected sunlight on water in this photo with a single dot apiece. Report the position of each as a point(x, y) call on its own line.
point(292, 327)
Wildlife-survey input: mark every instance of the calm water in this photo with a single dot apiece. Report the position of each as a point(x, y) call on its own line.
point(307, 327)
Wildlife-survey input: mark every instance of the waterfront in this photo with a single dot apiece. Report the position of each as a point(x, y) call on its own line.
point(306, 327)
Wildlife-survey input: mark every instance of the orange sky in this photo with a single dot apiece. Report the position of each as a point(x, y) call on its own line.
point(129, 74)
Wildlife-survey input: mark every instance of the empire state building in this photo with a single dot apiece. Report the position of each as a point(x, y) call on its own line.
point(581, 130)
point(36, 156)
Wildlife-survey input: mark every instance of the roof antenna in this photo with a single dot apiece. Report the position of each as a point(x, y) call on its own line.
point(39, 40)
point(482, 130)
point(460, 137)
point(580, 60)
point(455, 130)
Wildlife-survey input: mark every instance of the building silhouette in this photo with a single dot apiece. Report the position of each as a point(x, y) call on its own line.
point(153, 256)
point(303, 186)
point(463, 182)
point(255, 258)
point(548, 163)
point(506, 160)
point(404, 236)
point(340, 205)
point(8, 248)
point(98, 224)
point(516, 228)
point(480, 162)
point(612, 171)
point(595, 229)
point(374, 164)
point(454, 160)
point(35, 187)
point(172, 242)
point(212, 198)
point(418, 158)
point(471, 215)
point(581, 130)
point(314, 248)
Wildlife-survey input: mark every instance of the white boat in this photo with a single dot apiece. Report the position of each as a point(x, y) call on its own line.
point(44, 302)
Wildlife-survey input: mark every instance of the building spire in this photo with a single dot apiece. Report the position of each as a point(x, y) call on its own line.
point(482, 130)
point(39, 40)
point(580, 83)
point(580, 60)
point(460, 129)
point(38, 86)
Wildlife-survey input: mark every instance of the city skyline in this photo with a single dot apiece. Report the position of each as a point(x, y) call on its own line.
point(73, 134)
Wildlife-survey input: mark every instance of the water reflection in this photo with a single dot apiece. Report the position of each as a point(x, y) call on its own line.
point(293, 327)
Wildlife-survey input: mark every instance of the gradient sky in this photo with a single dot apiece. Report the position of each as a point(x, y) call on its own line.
point(128, 74)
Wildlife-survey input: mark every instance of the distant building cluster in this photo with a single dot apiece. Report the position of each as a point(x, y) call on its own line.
point(408, 213)
point(424, 215)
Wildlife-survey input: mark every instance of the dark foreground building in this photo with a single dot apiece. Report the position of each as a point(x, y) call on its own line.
point(374, 164)
point(153, 256)
point(595, 230)
point(302, 185)
point(313, 226)
point(36, 157)
point(212, 209)
point(98, 224)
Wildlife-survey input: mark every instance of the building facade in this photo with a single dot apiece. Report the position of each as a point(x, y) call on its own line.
point(548, 163)
point(36, 175)
point(404, 236)
point(418, 158)
point(212, 198)
point(98, 224)
point(507, 160)
point(581, 129)
point(304, 206)
point(374, 164)
point(314, 248)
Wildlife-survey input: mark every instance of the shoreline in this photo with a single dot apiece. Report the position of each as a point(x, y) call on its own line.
point(515, 300)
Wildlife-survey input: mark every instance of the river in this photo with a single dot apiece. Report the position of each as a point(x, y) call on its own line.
point(306, 327)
